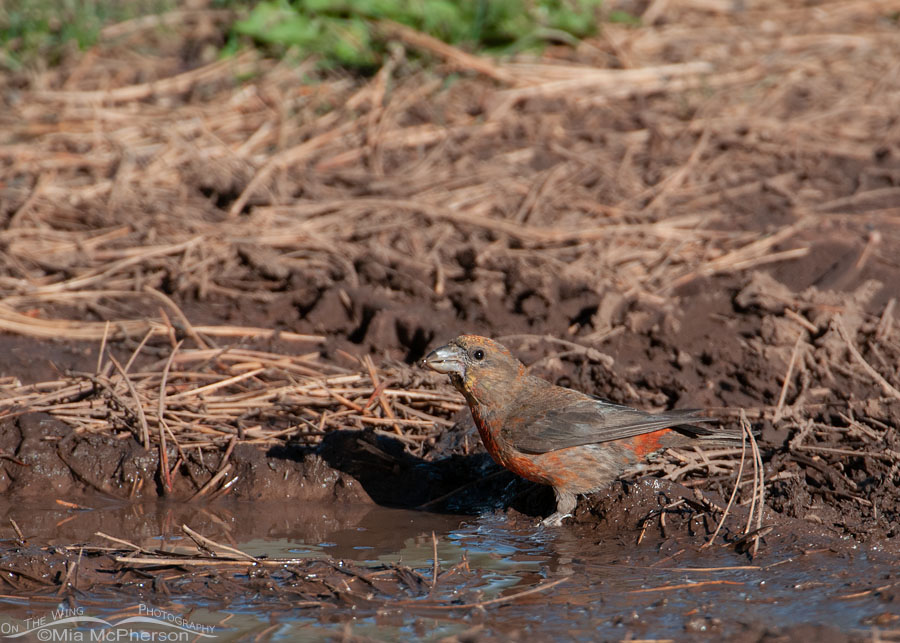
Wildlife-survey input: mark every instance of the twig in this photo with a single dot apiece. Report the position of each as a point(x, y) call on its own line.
point(745, 429)
point(759, 489)
point(170, 18)
point(435, 568)
point(171, 305)
point(886, 322)
point(173, 85)
point(494, 601)
point(137, 350)
point(128, 544)
point(373, 375)
point(217, 385)
point(71, 566)
point(163, 428)
point(787, 377)
point(102, 347)
point(211, 483)
point(18, 531)
point(208, 542)
point(885, 385)
point(155, 561)
point(145, 429)
point(589, 352)
point(448, 52)
point(289, 157)
point(668, 588)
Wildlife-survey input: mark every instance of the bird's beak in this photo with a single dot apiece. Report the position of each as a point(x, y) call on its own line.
point(446, 359)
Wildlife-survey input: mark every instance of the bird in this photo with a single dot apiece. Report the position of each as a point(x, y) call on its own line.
point(557, 436)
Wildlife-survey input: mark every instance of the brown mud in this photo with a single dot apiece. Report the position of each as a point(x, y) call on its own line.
point(214, 313)
point(627, 572)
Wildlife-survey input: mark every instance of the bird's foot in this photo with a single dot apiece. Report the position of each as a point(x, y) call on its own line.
point(554, 519)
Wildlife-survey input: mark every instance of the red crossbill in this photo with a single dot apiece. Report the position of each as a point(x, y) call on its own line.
point(553, 435)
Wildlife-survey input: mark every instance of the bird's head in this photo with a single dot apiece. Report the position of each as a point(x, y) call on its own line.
point(474, 362)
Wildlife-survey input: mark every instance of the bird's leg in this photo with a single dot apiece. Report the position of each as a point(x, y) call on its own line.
point(565, 505)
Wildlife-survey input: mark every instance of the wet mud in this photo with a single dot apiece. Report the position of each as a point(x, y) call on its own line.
point(733, 250)
point(828, 534)
point(628, 565)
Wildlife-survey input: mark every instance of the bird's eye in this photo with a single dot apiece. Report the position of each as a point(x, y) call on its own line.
point(478, 354)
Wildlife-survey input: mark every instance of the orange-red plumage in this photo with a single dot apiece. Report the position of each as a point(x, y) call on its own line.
point(553, 435)
point(644, 445)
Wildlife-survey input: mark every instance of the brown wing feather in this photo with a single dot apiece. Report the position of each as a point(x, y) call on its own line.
point(592, 421)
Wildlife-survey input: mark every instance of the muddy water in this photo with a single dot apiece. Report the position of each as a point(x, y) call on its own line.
point(612, 589)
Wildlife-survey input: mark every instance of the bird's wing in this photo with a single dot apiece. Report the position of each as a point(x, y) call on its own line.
point(593, 421)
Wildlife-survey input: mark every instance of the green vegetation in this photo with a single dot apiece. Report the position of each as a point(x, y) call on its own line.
point(338, 32)
point(345, 32)
point(32, 30)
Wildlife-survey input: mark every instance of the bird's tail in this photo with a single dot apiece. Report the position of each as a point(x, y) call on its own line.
point(708, 433)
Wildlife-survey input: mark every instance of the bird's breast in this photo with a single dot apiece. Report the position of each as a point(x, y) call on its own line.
point(502, 451)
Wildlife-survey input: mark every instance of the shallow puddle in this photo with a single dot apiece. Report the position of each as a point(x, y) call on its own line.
point(609, 590)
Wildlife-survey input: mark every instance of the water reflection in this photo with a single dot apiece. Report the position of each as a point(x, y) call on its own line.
point(613, 587)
